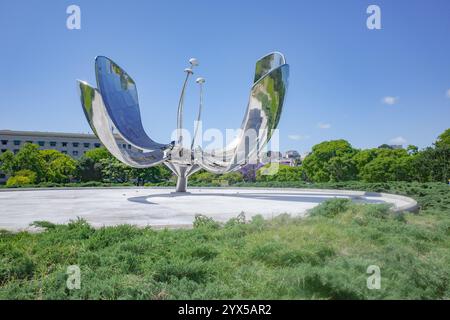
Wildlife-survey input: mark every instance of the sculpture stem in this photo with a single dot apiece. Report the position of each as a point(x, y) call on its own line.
point(181, 184)
point(199, 115)
point(180, 112)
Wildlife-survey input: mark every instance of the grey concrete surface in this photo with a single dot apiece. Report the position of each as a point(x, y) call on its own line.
point(161, 207)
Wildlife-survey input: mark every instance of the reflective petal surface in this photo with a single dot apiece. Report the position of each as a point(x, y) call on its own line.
point(121, 100)
point(262, 116)
point(268, 63)
point(100, 122)
point(113, 113)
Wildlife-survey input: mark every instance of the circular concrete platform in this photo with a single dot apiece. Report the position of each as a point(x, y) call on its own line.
point(161, 207)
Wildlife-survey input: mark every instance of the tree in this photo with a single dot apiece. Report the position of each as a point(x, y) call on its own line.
point(249, 171)
point(283, 174)
point(412, 150)
point(7, 162)
point(202, 176)
point(433, 163)
point(89, 167)
point(331, 161)
point(442, 156)
point(114, 171)
point(443, 140)
point(61, 169)
point(98, 154)
point(153, 174)
point(88, 170)
point(388, 168)
point(363, 157)
point(30, 158)
point(232, 177)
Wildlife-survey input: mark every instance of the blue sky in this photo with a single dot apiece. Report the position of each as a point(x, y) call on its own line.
point(340, 70)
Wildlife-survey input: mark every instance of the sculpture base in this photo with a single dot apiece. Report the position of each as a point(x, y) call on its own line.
point(181, 184)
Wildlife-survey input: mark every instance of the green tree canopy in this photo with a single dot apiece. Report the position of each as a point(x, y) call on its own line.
point(281, 173)
point(443, 140)
point(7, 162)
point(331, 161)
point(29, 157)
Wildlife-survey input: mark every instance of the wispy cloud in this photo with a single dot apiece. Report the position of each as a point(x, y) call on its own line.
point(323, 125)
point(390, 100)
point(448, 93)
point(398, 140)
point(298, 137)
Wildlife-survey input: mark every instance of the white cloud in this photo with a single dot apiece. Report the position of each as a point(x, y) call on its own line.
point(390, 100)
point(448, 93)
point(398, 140)
point(298, 137)
point(323, 125)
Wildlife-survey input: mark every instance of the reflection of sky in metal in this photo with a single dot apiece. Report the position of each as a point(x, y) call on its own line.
point(121, 100)
point(114, 107)
point(99, 120)
point(262, 116)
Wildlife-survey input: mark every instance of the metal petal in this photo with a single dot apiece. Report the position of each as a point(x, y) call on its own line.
point(262, 116)
point(268, 63)
point(121, 100)
point(101, 124)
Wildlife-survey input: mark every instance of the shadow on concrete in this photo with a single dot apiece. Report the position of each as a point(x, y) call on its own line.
point(273, 196)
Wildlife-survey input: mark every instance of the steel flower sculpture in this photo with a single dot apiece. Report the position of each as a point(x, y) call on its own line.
point(112, 110)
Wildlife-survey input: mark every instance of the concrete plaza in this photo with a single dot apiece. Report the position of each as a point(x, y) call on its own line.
point(160, 207)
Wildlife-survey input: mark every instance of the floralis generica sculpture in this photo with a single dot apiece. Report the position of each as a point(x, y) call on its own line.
point(112, 110)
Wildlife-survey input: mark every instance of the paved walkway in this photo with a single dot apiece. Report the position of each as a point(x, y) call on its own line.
point(160, 207)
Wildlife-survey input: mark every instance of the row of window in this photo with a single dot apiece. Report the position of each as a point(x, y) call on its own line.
point(52, 143)
point(74, 152)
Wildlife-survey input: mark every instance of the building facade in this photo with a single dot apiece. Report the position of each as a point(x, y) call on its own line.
point(291, 158)
point(72, 144)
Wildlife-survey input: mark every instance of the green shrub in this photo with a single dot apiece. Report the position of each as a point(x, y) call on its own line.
point(15, 264)
point(331, 208)
point(201, 221)
point(22, 178)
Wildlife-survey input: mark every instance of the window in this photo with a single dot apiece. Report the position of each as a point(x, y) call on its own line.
point(86, 144)
point(52, 143)
point(17, 142)
point(4, 150)
point(129, 146)
point(4, 142)
point(41, 143)
point(2, 176)
point(29, 141)
point(16, 151)
point(64, 144)
point(75, 153)
point(97, 145)
point(64, 151)
point(75, 144)
point(124, 146)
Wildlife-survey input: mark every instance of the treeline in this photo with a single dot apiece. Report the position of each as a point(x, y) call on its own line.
point(329, 161)
point(337, 160)
point(32, 166)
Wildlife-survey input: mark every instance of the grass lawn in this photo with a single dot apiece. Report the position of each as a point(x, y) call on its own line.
point(323, 256)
